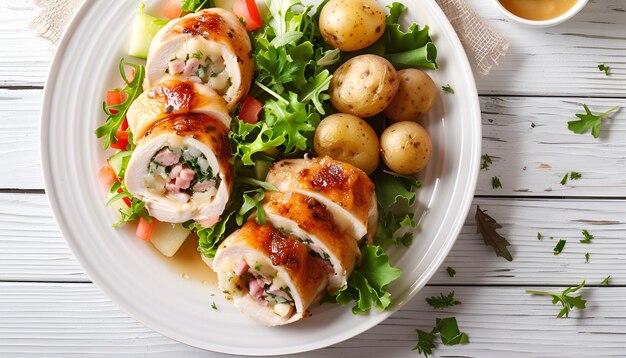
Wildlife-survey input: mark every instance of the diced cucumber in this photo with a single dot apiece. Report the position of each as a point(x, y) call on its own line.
point(119, 162)
point(145, 27)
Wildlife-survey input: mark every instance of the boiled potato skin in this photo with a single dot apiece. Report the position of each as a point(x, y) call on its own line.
point(406, 147)
point(363, 86)
point(348, 138)
point(416, 95)
point(351, 25)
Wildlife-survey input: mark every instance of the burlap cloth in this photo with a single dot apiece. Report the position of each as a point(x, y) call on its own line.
point(484, 46)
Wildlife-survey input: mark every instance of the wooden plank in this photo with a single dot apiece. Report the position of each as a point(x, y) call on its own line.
point(560, 60)
point(19, 139)
point(51, 319)
point(528, 160)
point(594, 36)
point(24, 56)
point(32, 249)
point(532, 148)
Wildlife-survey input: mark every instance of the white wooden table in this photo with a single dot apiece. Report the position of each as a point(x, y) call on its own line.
point(49, 307)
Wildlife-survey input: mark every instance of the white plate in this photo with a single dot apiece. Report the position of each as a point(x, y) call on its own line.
point(129, 271)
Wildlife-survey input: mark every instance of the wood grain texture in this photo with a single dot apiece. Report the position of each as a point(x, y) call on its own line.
point(57, 320)
point(19, 139)
point(561, 60)
point(32, 248)
point(24, 57)
point(529, 160)
point(557, 61)
point(532, 149)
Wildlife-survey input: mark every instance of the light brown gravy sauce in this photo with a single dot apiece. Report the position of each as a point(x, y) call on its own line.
point(189, 265)
point(538, 9)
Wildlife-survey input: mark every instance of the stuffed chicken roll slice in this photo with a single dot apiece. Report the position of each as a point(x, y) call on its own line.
point(313, 223)
point(347, 191)
point(174, 97)
point(210, 47)
point(269, 274)
point(181, 169)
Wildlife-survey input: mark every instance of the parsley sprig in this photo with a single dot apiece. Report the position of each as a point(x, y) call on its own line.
point(589, 120)
point(568, 302)
point(448, 330)
point(443, 301)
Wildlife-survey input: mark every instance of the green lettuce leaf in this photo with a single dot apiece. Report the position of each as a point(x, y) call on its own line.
point(367, 285)
point(394, 188)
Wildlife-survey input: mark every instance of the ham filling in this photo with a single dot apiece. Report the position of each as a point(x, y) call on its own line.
point(179, 173)
point(202, 68)
point(264, 288)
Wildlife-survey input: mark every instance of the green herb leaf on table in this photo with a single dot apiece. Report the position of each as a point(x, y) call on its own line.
point(606, 69)
point(448, 330)
point(568, 302)
point(448, 89)
point(451, 271)
point(559, 247)
point(117, 113)
point(495, 183)
point(485, 162)
point(425, 342)
point(575, 175)
point(564, 180)
point(442, 301)
point(214, 306)
point(605, 282)
point(587, 237)
point(368, 283)
point(487, 226)
point(539, 236)
point(587, 257)
point(589, 120)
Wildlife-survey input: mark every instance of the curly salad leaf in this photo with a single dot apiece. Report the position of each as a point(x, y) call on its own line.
point(290, 81)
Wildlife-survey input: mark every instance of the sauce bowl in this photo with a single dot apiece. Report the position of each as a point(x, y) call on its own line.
point(542, 23)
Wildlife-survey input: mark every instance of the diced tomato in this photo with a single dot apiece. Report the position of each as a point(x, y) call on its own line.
point(122, 140)
point(172, 8)
point(126, 200)
point(107, 176)
point(115, 97)
point(124, 125)
point(144, 228)
point(249, 12)
point(250, 110)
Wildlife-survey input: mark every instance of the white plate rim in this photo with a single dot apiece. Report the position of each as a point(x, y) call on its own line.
point(457, 225)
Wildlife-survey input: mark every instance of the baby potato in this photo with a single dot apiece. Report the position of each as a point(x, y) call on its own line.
point(351, 25)
point(363, 85)
point(348, 138)
point(406, 147)
point(416, 95)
